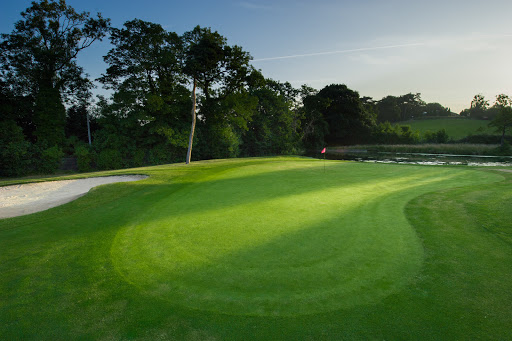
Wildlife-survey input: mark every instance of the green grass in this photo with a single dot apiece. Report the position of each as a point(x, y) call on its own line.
point(455, 128)
point(270, 248)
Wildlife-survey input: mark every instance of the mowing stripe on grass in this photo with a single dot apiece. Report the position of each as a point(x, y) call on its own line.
point(283, 240)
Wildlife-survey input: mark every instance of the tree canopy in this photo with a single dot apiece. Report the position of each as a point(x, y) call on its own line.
point(345, 115)
point(39, 60)
point(503, 120)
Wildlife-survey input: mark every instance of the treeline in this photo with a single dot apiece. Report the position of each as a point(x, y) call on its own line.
point(481, 109)
point(174, 98)
point(406, 107)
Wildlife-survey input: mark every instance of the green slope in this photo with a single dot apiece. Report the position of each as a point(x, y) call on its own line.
point(456, 128)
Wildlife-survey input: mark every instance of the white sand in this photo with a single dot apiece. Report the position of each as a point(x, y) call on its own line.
point(24, 199)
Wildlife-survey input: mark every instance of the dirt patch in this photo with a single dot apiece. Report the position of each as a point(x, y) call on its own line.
point(24, 199)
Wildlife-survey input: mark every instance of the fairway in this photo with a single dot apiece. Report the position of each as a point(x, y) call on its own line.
point(248, 248)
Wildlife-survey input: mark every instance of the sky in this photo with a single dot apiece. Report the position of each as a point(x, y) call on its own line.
point(448, 51)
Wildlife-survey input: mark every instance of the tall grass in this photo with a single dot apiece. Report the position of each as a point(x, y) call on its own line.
point(455, 148)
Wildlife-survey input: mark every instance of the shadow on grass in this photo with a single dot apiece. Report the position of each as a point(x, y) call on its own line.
point(200, 250)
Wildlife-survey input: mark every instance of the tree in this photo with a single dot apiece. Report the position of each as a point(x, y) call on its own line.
point(346, 116)
point(479, 106)
point(436, 109)
point(410, 105)
point(145, 70)
point(314, 126)
point(39, 59)
point(503, 120)
point(388, 109)
point(77, 122)
point(216, 68)
point(17, 109)
point(272, 129)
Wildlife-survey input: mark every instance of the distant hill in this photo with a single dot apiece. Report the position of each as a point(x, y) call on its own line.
point(455, 128)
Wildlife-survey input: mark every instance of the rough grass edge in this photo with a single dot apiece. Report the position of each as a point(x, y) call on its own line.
point(429, 148)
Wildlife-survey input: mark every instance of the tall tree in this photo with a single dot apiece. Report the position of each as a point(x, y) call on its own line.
point(145, 71)
point(410, 105)
point(79, 122)
point(272, 129)
point(216, 68)
point(314, 127)
point(503, 120)
point(346, 116)
point(436, 109)
point(479, 106)
point(388, 109)
point(39, 58)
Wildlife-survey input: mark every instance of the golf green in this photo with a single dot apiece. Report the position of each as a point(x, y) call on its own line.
point(282, 248)
point(281, 238)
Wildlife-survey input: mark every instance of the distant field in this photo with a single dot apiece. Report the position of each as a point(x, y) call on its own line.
point(456, 128)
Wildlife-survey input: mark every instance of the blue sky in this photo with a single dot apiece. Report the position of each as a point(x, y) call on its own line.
point(446, 50)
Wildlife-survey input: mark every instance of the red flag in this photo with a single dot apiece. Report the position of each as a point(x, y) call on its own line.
point(323, 151)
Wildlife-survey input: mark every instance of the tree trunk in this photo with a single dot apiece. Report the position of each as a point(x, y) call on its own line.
point(88, 129)
point(193, 127)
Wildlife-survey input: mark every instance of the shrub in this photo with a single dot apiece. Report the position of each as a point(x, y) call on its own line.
point(109, 159)
point(385, 133)
point(160, 154)
point(13, 159)
point(484, 139)
point(15, 151)
point(137, 158)
point(50, 160)
point(84, 158)
point(407, 135)
point(505, 149)
point(440, 136)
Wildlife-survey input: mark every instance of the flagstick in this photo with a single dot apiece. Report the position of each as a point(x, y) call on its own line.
point(323, 152)
point(324, 162)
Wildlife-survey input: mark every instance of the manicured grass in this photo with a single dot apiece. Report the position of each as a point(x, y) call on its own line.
point(273, 248)
point(455, 128)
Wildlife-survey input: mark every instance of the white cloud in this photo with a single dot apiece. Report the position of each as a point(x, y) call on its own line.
point(374, 48)
point(253, 6)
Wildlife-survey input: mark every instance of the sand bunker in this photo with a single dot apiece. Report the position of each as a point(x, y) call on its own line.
point(24, 199)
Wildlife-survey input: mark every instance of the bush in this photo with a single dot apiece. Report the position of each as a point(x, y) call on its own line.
point(15, 151)
point(504, 150)
point(137, 158)
point(409, 136)
point(385, 133)
point(484, 139)
point(159, 155)
point(109, 159)
point(50, 160)
point(440, 136)
point(84, 158)
point(13, 159)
